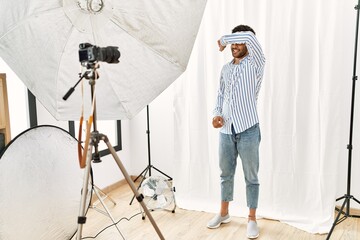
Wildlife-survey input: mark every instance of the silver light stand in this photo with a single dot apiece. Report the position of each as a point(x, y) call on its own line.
point(95, 138)
point(98, 193)
point(101, 196)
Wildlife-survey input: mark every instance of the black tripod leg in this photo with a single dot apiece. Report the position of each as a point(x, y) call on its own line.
point(337, 220)
point(143, 178)
point(338, 199)
point(355, 216)
point(142, 174)
point(356, 200)
point(169, 178)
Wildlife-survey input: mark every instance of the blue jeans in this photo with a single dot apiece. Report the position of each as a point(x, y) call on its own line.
point(246, 145)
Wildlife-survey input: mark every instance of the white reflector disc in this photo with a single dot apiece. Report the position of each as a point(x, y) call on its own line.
point(40, 185)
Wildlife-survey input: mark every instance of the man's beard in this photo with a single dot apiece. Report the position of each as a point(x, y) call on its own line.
point(240, 54)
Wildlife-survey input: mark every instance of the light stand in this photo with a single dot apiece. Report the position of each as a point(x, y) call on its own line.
point(149, 166)
point(95, 138)
point(347, 197)
point(98, 193)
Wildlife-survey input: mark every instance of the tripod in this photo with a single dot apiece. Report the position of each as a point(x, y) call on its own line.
point(347, 197)
point(95, 138)
point(149, 166)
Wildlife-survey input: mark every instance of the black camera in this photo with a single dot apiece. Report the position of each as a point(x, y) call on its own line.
point(91, 53)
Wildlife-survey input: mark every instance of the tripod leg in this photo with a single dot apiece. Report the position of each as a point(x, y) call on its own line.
point(353, 215)
point(336, 220)
point(356, 200)
point(169, 178)
point(142, 180)
point(84, 192)
point(132, 186)
point(142, 174)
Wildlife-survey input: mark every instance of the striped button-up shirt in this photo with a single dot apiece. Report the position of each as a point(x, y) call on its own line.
point(240, 85)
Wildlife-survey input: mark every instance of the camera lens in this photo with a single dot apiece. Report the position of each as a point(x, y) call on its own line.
point(109, 54)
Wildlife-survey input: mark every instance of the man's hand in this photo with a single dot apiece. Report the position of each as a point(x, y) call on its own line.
point(218, 122)
point(221, 47)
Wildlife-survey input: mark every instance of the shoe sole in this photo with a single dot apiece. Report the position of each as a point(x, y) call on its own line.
point(253, 237)
point(217, 226)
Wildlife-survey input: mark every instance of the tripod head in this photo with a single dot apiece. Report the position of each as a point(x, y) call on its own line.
point(92, 75)
point(91, 70)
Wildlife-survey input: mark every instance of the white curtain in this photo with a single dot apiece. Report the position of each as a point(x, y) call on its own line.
point(304, 107)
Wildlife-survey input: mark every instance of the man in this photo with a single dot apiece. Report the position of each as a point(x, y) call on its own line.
point(236, 114)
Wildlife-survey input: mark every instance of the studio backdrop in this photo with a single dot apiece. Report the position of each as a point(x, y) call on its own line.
point(304, 108)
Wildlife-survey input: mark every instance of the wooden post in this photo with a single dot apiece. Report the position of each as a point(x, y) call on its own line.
point(4, 109)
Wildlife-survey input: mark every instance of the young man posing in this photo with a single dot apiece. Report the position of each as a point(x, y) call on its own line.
point(236, 114)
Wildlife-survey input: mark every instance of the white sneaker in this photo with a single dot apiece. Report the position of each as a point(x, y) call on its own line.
point(218, 220)
point(252, 230)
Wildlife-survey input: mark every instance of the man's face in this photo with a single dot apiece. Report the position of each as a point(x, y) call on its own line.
point(239, 50)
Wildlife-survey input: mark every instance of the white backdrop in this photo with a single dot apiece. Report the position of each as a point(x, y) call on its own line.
point(304, 108)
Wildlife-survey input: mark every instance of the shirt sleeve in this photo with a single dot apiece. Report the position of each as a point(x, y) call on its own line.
point(220, 97)
point(248, 38)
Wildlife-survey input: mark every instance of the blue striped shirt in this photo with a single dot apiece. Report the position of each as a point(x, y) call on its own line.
point(240, 85)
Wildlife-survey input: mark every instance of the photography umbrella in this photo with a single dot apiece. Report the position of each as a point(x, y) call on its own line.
point(40, 41)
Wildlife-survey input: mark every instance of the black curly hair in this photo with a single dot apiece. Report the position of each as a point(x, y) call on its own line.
point(243, 28)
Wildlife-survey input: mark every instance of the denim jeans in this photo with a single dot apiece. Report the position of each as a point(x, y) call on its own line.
point(246, 145)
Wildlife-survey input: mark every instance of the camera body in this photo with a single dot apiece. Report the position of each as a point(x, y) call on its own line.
point(90, 53)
